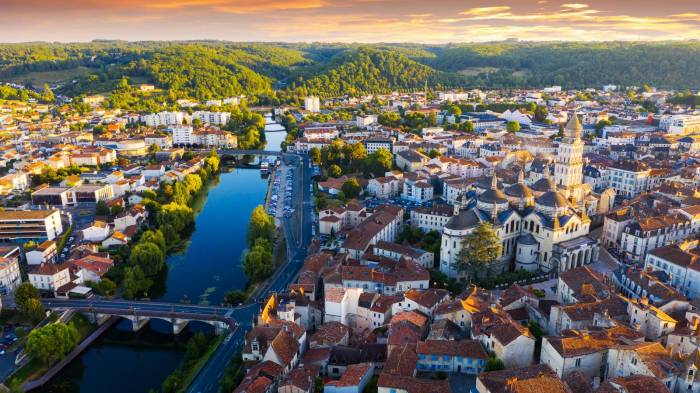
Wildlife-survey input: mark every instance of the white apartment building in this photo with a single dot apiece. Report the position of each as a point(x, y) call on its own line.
point(629, 178)
point(10, 275)
point(312, 104)
point(682, 267)
point(49, 277)
point(162, 119)
point(24, 225)
point(183, 135)
point(216, 118)
point(638, 238)
point(680, 124)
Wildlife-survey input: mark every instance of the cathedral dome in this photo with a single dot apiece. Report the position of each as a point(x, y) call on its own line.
point(519, 189)
point(492, 196)
point(553, 199)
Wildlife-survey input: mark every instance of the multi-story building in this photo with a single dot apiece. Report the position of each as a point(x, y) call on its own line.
point(383, 224)
point(682, 266)
point(644, 235)
point(629, 178)
point(183, 135)
point(10, 275)
point(312, 104)
point(162, 119)
point(216, 118)
point(25, 225)
point(431, 218)
point(680, 124)
point(416, 189)
point(49, 277)
point(374, 144)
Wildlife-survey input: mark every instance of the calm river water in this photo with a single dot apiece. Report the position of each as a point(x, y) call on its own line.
point(122, 360)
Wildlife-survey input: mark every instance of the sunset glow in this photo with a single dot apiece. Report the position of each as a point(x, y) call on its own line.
point(361, 20)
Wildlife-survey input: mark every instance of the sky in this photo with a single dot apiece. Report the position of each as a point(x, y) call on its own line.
point(420, 21)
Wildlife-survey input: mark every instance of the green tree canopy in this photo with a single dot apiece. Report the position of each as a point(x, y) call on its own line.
point(513, 126)
point(52, 342)
point(480, 249)
point(23, 294)
point(351, 188)
point(148, 256)
point(261, 225)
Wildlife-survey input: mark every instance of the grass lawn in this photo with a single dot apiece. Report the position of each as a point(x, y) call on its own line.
point(38, 78)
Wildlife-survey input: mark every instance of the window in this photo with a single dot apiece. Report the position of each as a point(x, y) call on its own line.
point(578, 362)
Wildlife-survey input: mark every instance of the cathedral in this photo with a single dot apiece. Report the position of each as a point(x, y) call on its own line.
point(544, 228)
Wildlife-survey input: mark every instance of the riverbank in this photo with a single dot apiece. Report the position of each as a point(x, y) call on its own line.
point(34, 373)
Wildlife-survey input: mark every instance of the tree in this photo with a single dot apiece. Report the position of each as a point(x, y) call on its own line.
point(23, 294)
point(34, 310)
point(434, 153)
point(102, 209)
point(52, 342)
point(257, 263)
point(494, 364)
point(513, 126)
point(454, 110)
point(600, 125)
point(389, 119)
point(156, 237)
point(380, 162)
point(107, 287)
point(315, 155)
point(148, 256)
point(540, 113)
point(47, 95)
point(235, 297)
point(351, 188)
point(467, 126)
point(335, 170)
point(261, 225)
point(479, 250)
point(135, 282)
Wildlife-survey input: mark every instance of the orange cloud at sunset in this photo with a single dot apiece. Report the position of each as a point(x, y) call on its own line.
point(335, 20)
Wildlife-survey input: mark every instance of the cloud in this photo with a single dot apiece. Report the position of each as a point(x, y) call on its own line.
point(487, 11)
point(575, 6)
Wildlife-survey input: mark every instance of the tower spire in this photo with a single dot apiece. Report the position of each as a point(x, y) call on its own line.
point(573, 127)
point(521, 177)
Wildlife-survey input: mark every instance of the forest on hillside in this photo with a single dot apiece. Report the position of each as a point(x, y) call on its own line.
point(273, 72)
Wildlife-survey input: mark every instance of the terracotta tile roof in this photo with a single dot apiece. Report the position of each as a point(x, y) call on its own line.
point(285, 346)
point(538, 378)
point(402, 361)
point(353, 375)
point(427, 297)
point(465, 348)
point(329, 334)
point(633, 384)
point(413, 385)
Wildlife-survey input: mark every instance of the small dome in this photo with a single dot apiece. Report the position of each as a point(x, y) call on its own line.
point(552, 199)
point(485, 183)
point(493, 197)
point(543, 185)
point(519, 190)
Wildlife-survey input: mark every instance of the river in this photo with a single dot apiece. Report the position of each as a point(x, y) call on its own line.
point(122, 360)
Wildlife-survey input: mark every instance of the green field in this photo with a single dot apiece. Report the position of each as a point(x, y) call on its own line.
point(51, 77)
